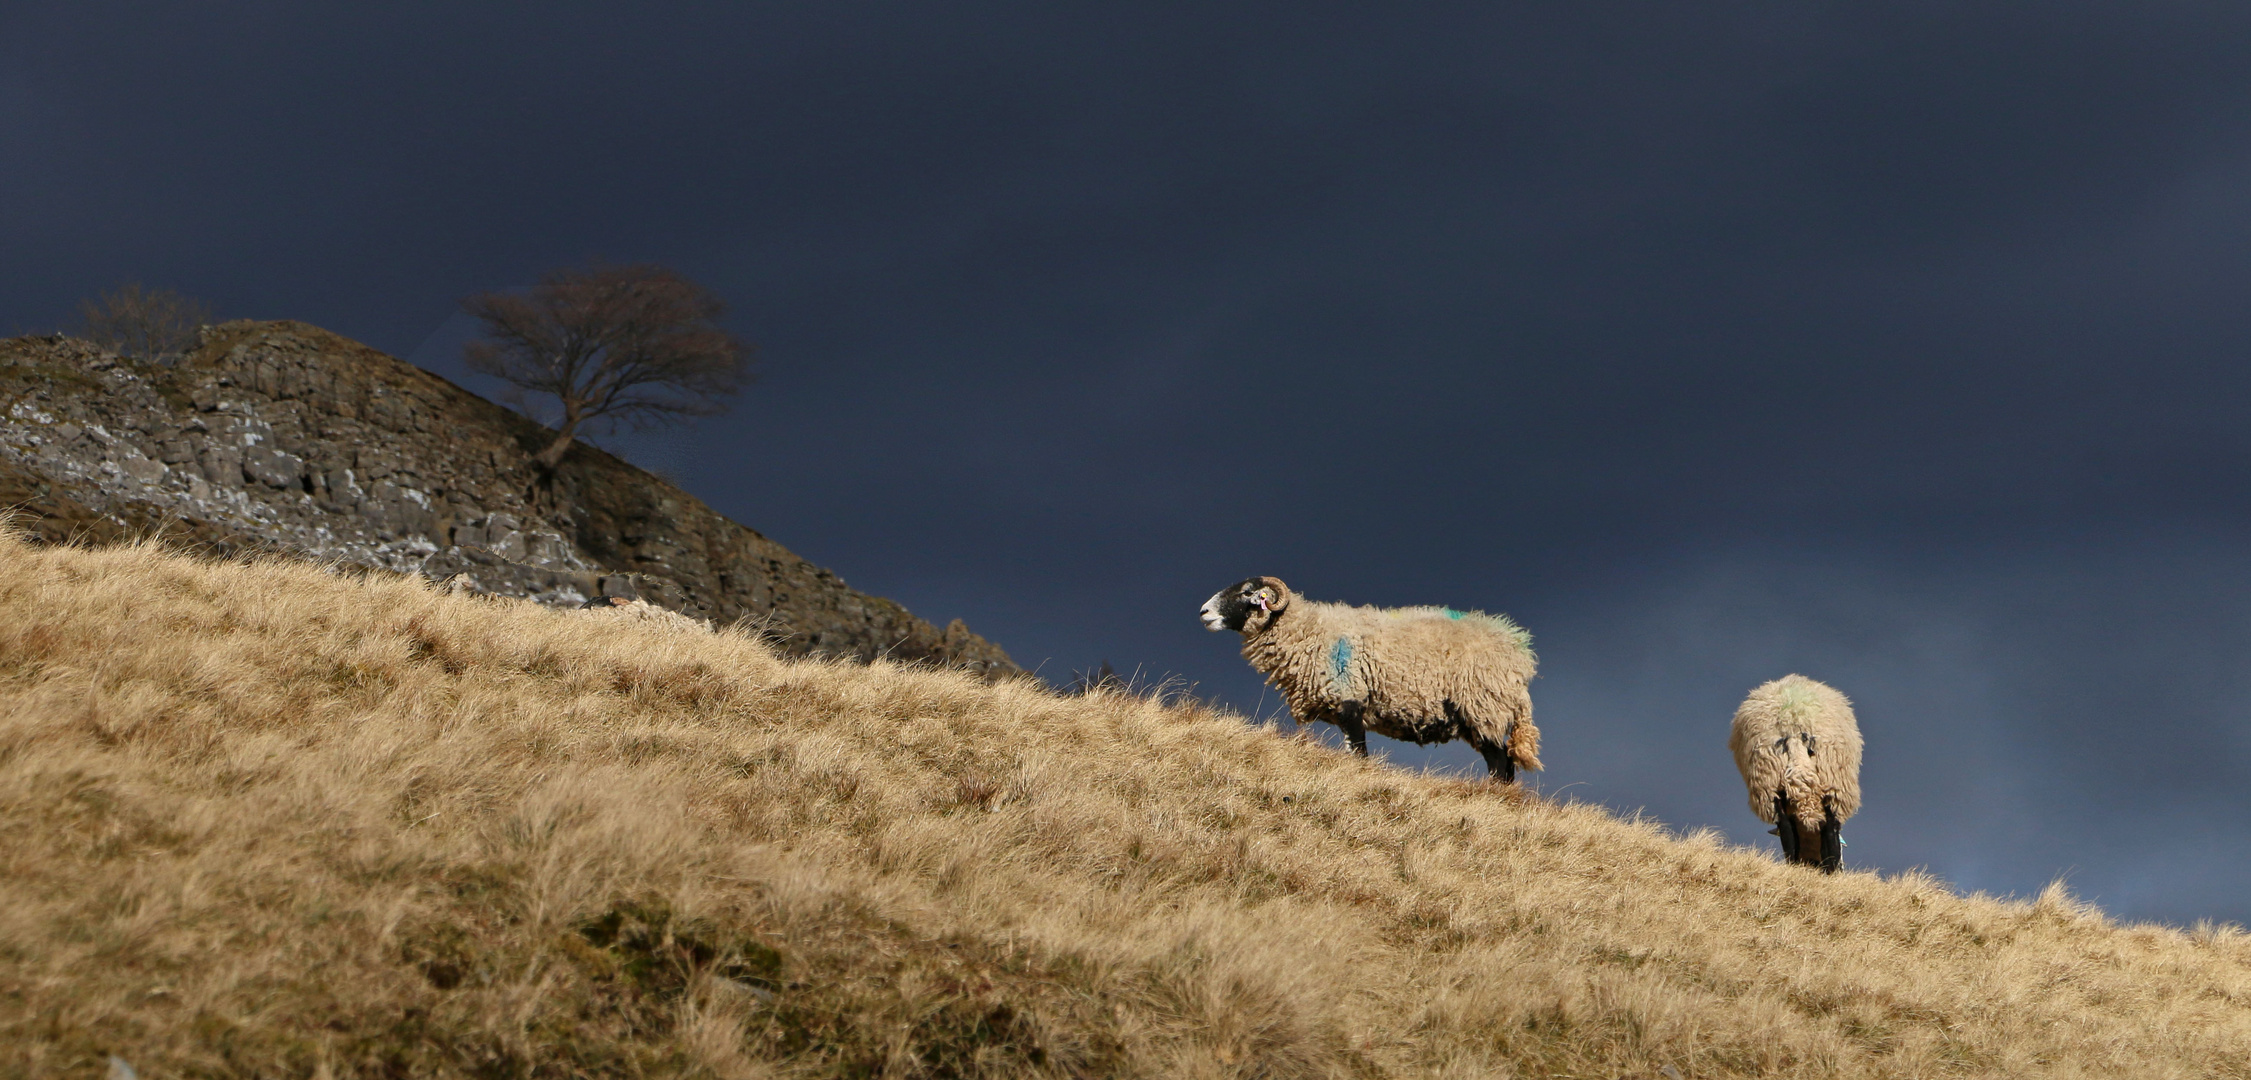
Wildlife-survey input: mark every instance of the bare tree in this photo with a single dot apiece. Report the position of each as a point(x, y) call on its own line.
point(149, 324)
point(639, 345)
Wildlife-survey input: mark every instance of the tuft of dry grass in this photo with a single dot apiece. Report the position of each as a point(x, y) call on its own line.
point(263, 820)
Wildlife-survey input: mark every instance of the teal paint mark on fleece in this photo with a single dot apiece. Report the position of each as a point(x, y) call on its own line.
point(1340, 662)
point(1452, 614)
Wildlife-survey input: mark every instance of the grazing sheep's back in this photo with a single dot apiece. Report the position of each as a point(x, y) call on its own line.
point(1797, 706)
point(643, 611)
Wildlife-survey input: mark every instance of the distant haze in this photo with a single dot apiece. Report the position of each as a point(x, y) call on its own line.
point(1903, 348)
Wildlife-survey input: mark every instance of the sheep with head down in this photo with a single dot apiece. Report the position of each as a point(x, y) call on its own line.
point(642, 611)
point(1798, 746)
point(1418, 674)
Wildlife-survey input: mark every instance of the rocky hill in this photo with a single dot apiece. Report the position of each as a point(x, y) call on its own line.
point(279, 436)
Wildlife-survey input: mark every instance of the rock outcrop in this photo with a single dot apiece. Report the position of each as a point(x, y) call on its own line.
point(279, 436)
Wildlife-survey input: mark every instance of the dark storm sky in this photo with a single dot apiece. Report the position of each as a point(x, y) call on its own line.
point(1903, 348)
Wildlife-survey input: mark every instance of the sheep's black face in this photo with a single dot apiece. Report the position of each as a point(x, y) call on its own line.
point(1247, 604)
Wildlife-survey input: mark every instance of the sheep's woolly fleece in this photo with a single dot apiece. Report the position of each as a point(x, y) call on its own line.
point(1785, 709)
point(1405, 664)
point(643, 611)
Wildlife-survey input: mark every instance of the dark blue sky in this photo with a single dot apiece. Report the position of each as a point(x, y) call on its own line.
point(1905, 348)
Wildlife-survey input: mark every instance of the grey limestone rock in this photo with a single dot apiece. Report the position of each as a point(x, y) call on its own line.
point(279, 436)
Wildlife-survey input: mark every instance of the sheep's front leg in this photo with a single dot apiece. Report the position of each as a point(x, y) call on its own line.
point(1832, 839)
point(1786, 826)
point(1348, 720)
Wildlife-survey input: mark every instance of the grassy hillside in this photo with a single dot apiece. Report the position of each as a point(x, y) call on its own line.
point(261, 820)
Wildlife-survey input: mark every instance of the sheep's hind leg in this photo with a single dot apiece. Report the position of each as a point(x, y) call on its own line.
point(1786, 826)
point(1355, 732)
point(1832, 839)
point(1499, 766)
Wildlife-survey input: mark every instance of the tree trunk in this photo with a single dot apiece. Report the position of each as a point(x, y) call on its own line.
point(552, 456)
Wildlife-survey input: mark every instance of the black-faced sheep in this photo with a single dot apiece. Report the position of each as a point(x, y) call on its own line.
point(1420, 674)
point(1798, 747)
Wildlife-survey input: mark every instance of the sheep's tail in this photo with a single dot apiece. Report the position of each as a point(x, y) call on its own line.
point(1807, 793)
point(1524, 744)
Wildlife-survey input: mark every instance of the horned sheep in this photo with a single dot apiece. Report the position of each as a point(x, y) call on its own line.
point(1798, 746)
point(1419, 674)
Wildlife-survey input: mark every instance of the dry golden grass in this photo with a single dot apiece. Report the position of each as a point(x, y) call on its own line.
point(267, 821)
